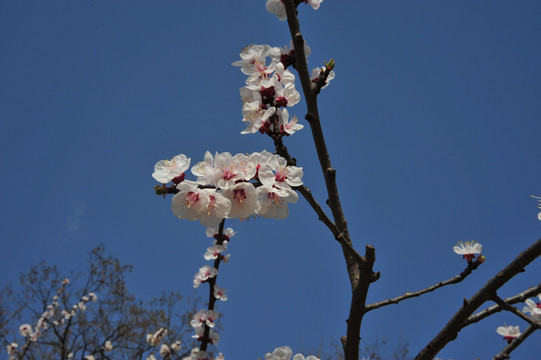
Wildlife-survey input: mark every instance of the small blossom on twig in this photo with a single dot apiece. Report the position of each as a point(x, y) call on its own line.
point(219, 293)
point(206, 272)
point(164, 350)
point(509, 333)
point(108, 346)
point(12, 348)
point(468, 249)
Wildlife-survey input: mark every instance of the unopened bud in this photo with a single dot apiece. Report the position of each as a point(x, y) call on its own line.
point(160, 190)
point(329, 65)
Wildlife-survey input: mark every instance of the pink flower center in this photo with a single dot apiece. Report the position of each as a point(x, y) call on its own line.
point(191, 198)
point(538, 305)
point(281, 176)
point(509, 338)
point(274, 197)
point(259, 66)
point(228, 174)
point(239, 195)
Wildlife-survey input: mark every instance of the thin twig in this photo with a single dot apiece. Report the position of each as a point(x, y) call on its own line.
point(533, 291)
point(454, 280)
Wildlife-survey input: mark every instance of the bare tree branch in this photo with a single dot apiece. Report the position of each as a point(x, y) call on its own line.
point(454, 280)
point(533, 291)
point(359, 268)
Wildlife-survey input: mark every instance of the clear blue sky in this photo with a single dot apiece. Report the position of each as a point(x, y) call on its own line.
point(433, 125)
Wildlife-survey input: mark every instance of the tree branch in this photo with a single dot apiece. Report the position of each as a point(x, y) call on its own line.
point(359, 268)
point(533, 291)
point(454, 280)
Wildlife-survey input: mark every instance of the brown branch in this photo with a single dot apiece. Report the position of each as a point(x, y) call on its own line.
point(533, 291)
point(450, 331)
point(454, 280)
point(359, 268)
point(504, 354)
point(281, 150)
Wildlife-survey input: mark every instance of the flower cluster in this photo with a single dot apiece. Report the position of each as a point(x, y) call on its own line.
point(270, 89)
point(235, 187)
point(284, 353)
point(468, 250)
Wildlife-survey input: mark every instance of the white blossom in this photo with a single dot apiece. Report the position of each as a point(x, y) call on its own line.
point(108, 346)
point(243, 200)
point(203, 275)
point(468, 249)
point(533, 308)
point(176, 346)
point(191, 202)
point(166, 170)
point(282, 176)
point(164, 350)
point(508, 332)
point(25, 330)
point(219, 293)
point(272, 202)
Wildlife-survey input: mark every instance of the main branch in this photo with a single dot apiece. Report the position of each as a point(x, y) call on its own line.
point(359, 268)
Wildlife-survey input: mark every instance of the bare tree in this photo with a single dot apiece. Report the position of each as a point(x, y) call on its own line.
point(75, 327)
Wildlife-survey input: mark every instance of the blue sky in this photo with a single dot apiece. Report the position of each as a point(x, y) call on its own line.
point(433, 125)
